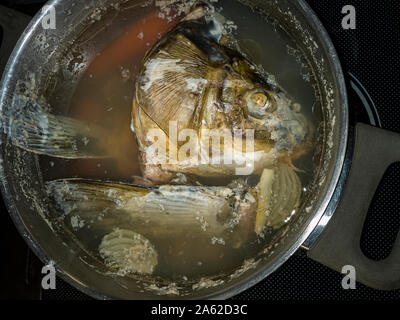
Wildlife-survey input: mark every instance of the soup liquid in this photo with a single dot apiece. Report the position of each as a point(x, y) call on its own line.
point(104, 96)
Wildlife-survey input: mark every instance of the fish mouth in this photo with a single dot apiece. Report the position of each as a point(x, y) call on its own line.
point(289, 134)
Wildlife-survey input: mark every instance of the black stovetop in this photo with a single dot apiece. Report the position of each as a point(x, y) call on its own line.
point(369, 55)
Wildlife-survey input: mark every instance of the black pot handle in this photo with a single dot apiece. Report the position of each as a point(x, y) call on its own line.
point(339, 244)
point(13, 24)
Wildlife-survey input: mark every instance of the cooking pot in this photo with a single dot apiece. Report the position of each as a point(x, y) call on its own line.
point(331, 218)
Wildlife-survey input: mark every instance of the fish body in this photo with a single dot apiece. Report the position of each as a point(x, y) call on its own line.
point(160, 212)
point(233, 213)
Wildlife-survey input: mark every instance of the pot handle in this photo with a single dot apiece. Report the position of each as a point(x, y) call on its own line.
point(13, 24)
point(339, 244)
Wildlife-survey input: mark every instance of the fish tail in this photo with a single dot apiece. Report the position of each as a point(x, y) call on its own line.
point(91, 202)
point(31, 128)
point(156, 212)
point(102, 207)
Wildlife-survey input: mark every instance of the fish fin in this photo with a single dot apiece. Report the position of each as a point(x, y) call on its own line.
point(152, 212)
point(279, 193)
point(126, 251)
point(31, 128)
point(89, 203)
point(92, 194)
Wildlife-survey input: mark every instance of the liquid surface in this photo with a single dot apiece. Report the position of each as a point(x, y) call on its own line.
point(104, 95)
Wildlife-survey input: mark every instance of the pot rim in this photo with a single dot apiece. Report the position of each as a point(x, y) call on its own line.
point(254, 277)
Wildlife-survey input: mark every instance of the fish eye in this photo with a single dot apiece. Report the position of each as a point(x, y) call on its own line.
point(258, 103)
point(260, 99)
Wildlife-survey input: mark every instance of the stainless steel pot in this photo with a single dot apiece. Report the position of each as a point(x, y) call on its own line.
point(35, 62)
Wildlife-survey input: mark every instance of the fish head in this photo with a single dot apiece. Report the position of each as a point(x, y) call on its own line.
point(193, 80)
point(253, 103)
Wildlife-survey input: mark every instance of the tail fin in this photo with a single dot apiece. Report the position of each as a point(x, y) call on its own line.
point(152, 212)
point(33, 129)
